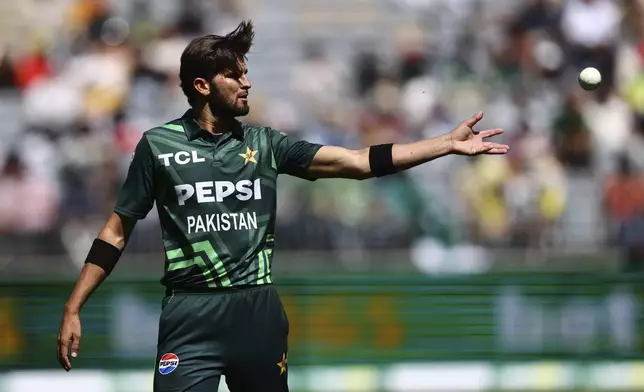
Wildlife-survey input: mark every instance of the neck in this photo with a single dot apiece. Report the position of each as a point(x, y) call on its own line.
point(212, 122)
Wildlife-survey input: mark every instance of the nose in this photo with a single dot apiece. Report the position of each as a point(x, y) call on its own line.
point(245, 82)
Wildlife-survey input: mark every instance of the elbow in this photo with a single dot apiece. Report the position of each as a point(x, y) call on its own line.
point(110, 236)
point(116, 231)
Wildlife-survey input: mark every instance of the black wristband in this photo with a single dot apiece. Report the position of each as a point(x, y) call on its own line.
point(103, 254)
point(381, 160)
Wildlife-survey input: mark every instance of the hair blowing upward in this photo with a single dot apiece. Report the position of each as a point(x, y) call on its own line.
point(211, 54)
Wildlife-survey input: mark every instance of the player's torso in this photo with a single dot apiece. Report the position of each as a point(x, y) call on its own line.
point(216, 202)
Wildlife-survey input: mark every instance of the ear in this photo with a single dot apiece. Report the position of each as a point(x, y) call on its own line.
point(202, 86)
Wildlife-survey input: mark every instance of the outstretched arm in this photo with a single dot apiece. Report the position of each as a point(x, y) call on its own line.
point(338, 162)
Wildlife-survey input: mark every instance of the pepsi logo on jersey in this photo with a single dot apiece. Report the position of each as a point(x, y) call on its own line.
point(217, 191)
point(168, 363)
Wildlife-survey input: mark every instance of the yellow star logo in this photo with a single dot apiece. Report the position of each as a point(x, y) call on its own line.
point(282, 364)
point(249, 156)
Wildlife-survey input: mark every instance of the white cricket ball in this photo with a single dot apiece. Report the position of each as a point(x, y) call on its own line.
point(589, 78)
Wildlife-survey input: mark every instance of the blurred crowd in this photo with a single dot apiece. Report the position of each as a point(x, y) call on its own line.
point(80, 80)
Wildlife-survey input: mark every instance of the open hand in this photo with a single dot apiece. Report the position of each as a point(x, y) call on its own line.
point(466, 141)
point(69, 334)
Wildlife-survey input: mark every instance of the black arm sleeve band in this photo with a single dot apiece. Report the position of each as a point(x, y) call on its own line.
point(103, 254)
point(380, 160)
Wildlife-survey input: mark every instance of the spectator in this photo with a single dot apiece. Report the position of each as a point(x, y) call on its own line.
point(28, 208)
point(7, 75)
point(31, 68)
point(624, 201)
point(571, 136)
point(411, 79)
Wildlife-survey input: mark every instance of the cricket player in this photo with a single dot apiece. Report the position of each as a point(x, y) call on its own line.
point(213, 180)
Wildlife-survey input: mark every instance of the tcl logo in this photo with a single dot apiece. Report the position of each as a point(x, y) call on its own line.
point(180, 158)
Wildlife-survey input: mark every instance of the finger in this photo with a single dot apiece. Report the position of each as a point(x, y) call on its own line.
point(474, 119)
point(63, 347)
point(495, 148)
point(490, 132)
point(490, 145)
point(75, 345)
point(497, 151)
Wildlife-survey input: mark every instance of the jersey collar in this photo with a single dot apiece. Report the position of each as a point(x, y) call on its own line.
point(193, 129)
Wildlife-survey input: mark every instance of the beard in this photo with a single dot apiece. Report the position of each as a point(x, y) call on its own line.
point(239, 107)
point(229, 106)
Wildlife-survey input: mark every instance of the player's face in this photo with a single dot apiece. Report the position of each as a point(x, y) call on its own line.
point(230, 91)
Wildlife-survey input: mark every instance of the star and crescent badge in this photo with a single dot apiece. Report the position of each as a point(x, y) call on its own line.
point(282, 364)
point(249, 156)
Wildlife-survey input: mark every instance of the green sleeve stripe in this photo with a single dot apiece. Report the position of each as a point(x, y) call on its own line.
point(173, 127)
point(174, 254)
point(206, 247)
point(270, 237)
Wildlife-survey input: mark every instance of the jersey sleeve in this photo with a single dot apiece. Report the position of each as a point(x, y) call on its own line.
point(136, 196)
point(292, 156)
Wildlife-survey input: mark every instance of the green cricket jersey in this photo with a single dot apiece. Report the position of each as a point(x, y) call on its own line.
point(216, 198)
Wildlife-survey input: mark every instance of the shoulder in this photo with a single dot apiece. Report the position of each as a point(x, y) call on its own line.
point(262, 132)
point(169, 133)
point(254, 130)
point(170, 129)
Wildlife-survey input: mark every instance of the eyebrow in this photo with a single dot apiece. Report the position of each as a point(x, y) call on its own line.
point(234, 71)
